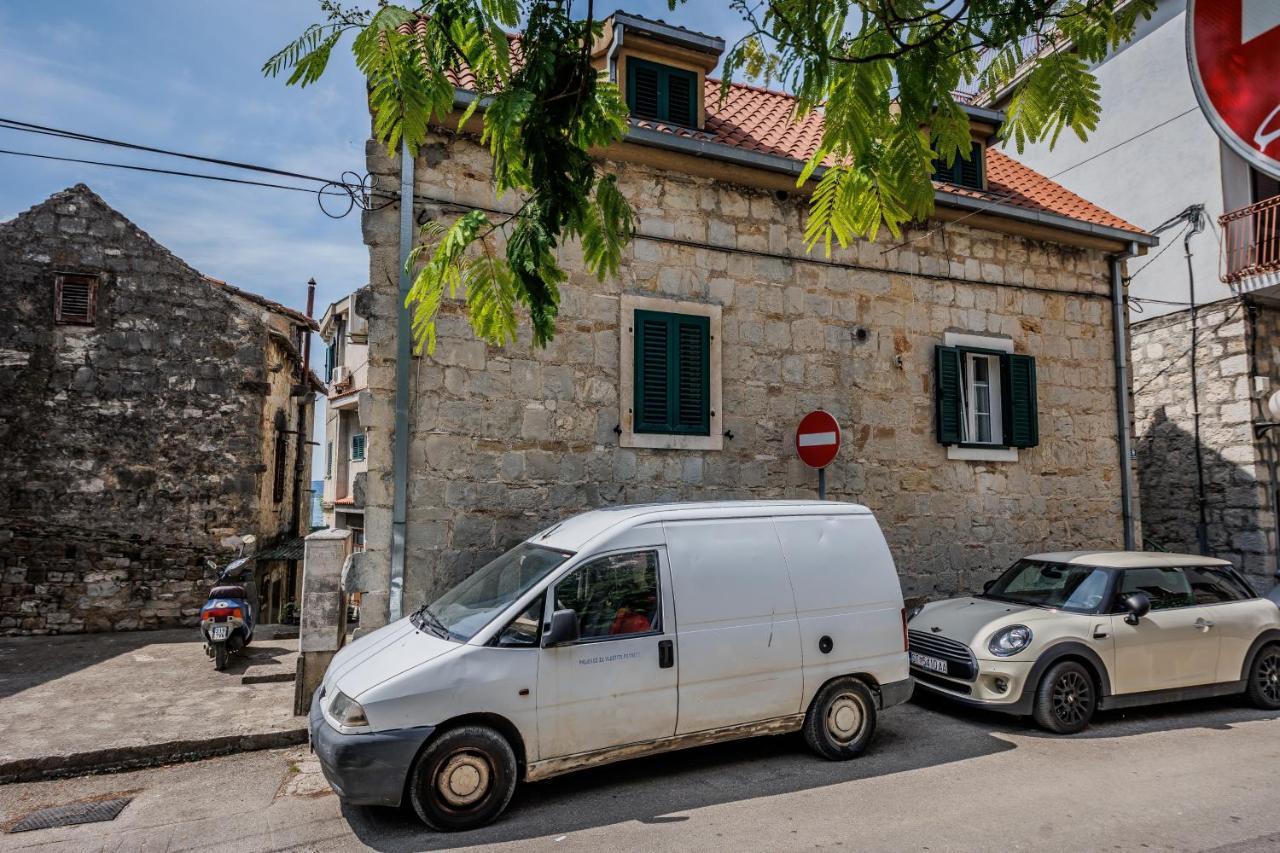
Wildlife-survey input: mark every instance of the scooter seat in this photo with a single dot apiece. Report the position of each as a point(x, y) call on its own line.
point(227, 592)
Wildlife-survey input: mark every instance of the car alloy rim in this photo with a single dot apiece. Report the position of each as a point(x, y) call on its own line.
point(1072, 697)
point(845, 718)
point(1269, 677)
point(463, 780)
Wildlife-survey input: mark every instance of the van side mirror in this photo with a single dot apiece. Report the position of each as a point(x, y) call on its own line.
point(564, 629)
point(1136, 605)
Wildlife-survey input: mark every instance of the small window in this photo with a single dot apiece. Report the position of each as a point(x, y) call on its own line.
point(328, 460)
point(986, 398)
point(277, 485)
point(672, 373)
point(524, 630)
point(329, 362)
point(662, 93)
point(1167, 588)
point(1214, 586)
point(963, 172)
point(614, 596)
point(75, 299)
point(357, 446)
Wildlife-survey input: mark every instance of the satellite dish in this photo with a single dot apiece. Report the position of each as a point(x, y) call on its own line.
point(1273, 406)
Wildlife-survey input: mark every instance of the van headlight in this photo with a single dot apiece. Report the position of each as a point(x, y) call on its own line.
point(347, 711)
point(1009, 641)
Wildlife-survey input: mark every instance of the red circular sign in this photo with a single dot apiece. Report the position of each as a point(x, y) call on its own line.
point(1233, 50)
point(817, 439)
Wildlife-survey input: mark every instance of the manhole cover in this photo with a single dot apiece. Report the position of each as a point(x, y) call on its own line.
point(72, 815)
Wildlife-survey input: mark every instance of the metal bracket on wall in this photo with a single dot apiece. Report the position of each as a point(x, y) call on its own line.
point(1262, 427)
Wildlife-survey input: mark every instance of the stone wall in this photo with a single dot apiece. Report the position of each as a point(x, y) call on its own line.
point(504, 441)
point(1236, 503)
point(133, 446)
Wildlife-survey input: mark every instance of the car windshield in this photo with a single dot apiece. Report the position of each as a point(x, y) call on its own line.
point(1062, 586)
point(466, 608)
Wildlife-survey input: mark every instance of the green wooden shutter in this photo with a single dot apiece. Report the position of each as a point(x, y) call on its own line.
point(962, 172)
point(682, 100)
point(672, 373)
point(328, 363)
point(643, 83)
point(1021, 414)
point(357, 446)
point(662, 93)
point(947, 380)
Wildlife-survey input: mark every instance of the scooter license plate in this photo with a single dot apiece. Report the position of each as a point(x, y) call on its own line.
point(219, 632)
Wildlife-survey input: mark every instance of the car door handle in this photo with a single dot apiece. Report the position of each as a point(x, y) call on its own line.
point(1204, 624)
point(666, 654)
point(1100, 632)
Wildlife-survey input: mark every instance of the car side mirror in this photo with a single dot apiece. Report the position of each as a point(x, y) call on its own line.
point(1136, 605)
point(564, 629)
point(986, 587)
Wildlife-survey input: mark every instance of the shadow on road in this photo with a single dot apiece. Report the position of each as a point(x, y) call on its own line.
point(658, 789)
point(26, 662)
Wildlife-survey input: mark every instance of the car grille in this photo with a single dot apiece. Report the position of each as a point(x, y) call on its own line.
point(960, 660)
point(943, 683)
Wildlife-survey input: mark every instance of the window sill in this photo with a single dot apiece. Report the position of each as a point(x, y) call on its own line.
point(982, 454)
point(669, 441)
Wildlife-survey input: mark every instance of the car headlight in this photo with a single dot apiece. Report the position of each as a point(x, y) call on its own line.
point(347, 711)
point(1009, 641)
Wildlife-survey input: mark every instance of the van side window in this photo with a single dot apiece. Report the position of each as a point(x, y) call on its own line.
point(613, 596)
point(524, 630)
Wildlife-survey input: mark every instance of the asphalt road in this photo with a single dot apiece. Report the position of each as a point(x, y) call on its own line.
point(1199, 776)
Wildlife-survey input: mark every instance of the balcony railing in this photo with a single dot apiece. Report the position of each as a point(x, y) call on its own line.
point(1251, 240)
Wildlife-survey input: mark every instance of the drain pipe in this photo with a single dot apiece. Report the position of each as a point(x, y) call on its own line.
point(613, 51)
point(400, 450)
point(1121, 343)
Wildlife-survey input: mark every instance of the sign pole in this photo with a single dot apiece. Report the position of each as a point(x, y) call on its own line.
point(822, 484)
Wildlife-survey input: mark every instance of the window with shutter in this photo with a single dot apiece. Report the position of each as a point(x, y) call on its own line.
point(662, 93)
point(357, 446)
point(75, 299)
point(985, 398)
point(277, 485)
point(672, 373)
point(947, 394)
point(963, 172)
point(329, 362)
point(1021, 415)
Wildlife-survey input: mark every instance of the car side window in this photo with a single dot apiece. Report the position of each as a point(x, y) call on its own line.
point(1167, 588)
point(613, 596)
point(1213, 586)
point(524, 630)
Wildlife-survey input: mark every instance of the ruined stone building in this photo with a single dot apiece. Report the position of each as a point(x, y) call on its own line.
point(152, 417)
point(971, 363)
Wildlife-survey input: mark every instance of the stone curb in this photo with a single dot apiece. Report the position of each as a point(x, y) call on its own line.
point(120, 759)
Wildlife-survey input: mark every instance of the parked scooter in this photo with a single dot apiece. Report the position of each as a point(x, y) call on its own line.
point(228, 617)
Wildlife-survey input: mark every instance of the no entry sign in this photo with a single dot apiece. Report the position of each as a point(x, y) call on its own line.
point(1233, 49)
point(817, 439)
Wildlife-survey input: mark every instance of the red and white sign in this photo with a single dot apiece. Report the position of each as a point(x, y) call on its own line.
point(1233, 49)
point(817, 439)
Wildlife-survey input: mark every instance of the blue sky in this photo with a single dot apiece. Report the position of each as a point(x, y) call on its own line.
point(185, 76)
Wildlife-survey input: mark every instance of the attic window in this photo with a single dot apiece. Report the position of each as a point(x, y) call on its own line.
point(662, 93)
point(75, 299)
point(962, 172)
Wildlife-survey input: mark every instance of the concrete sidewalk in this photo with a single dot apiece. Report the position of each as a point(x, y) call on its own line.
point(96, 702)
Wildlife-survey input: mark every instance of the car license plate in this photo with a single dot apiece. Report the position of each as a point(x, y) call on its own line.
point(930, 663)
point(219, 632)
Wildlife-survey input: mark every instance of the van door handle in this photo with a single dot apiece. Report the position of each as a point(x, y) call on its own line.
point(1204, 624)
point(666, 654)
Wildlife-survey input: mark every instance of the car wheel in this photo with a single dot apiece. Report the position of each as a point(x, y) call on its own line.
point(463, 779)
point(841, 720)
point(1264, 678)
point(1065, 699)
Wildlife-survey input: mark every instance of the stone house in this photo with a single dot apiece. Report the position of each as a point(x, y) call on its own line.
point(1225, 216)
point(345, 333)
point(153, 418)
point(971, 364)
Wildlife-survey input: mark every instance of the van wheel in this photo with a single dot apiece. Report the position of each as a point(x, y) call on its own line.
point(841, 720)
point(1264, 678)
point(1065, 699)
point(463, 779)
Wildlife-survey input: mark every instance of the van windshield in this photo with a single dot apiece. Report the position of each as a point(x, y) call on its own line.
point(461, 612)
point(1062, 586)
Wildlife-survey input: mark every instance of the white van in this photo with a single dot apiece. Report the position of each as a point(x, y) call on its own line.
point(619, 633)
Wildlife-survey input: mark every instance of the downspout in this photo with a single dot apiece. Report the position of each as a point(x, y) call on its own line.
point(613, 51)
point(1202, 524)
point(400, 450)
point(1120, 342)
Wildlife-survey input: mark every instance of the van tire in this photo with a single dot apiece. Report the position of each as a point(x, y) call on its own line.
point(1066, 698)
point(841, 720)
point(471, 755)
point(1264, 678)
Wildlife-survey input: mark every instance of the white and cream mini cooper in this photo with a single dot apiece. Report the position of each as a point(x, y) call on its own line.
point(1059, 636)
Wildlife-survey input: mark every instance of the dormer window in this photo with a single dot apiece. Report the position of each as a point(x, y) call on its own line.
point(662, 93)
point(962, 172)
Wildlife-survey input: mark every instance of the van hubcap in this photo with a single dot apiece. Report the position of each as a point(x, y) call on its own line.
point(844, 718)
point(464, 779)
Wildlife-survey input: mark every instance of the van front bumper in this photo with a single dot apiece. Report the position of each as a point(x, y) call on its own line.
point(365, 769)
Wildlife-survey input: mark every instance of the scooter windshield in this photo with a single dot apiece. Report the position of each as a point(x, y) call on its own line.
point(469, 606)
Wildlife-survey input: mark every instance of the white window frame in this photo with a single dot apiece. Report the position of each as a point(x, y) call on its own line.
point(994, 399)
point(628, 305)
point(971, 453)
